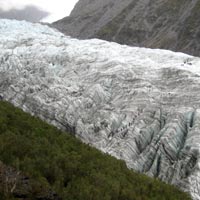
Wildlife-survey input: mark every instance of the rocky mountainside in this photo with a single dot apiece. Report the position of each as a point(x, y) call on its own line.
point(166, 24)
point(139, 105)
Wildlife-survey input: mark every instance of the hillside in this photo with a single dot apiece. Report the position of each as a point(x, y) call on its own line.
point(75, 170)
point(162, 24)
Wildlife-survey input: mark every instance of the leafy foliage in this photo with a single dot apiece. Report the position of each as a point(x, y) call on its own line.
point(74, 170)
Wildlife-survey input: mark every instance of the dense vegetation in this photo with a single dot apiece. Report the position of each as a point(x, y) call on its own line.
point(74, 170)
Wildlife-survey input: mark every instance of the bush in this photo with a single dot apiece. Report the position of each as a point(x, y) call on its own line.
point(74, 170)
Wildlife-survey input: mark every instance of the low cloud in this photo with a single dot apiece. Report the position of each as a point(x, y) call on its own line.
point(28, 13)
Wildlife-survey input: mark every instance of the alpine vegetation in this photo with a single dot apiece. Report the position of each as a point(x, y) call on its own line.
point(45, 158)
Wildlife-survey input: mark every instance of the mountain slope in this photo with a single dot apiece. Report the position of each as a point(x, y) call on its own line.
point(74, 170)
point(163, 24)
point(139, 105)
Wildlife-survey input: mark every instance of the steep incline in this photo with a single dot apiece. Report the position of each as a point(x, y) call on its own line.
point(139, 105)
point(163, 24)
point(49, 158)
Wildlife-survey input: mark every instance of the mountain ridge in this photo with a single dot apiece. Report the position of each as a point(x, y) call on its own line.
point(145, 23)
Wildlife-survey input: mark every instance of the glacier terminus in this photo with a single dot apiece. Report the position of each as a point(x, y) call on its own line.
point(139, 105)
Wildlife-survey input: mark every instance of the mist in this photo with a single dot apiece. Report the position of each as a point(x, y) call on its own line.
point(29, 13)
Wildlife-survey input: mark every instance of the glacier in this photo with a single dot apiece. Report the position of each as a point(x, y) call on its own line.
point(139, 105)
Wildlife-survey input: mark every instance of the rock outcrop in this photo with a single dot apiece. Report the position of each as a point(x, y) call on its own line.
point(163, 24)
point(139, 105)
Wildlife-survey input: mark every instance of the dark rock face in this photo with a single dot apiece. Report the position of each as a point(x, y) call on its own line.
point(166, 24)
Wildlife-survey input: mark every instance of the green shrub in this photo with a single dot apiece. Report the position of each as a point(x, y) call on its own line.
point(74, 170)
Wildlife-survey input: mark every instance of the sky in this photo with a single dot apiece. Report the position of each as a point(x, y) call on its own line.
point(38, 10)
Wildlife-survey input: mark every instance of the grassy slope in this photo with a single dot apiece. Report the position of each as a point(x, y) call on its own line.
point(74, 170)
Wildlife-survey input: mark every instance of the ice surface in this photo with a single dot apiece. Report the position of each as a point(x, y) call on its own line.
point(140, 105)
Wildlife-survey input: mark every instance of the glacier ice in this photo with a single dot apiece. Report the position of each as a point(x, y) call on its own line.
point(140, 105)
